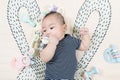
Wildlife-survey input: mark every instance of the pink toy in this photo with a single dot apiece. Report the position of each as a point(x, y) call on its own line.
point(20, 61)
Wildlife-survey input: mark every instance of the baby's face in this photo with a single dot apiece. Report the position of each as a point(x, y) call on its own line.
point(51, 26)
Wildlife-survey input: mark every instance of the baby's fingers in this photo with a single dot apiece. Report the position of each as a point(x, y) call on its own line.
point(84, 30)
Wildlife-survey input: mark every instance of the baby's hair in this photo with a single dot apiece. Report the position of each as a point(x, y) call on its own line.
point(57, 14)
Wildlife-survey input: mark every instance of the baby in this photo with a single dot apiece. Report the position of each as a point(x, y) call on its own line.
point(59, 53)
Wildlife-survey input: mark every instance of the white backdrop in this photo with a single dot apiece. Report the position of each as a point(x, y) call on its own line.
point(8, 47)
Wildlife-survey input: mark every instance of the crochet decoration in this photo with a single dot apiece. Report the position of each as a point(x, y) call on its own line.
point(112, 55)
point(36, 71)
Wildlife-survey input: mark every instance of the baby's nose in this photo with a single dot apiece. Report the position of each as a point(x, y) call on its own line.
point(48, 33)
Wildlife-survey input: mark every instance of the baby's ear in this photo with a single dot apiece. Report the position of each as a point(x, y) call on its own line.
point(65, 27)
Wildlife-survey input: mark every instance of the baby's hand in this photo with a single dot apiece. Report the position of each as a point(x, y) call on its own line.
point(53, 40)
point(84, 31)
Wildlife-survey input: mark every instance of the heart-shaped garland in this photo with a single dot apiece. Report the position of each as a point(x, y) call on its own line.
point(36, 71)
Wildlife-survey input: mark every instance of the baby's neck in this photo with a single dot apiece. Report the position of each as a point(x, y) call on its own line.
point(62, 37)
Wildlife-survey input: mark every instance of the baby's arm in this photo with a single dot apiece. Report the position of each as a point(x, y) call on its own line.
point(85, 39)
point(49, 51)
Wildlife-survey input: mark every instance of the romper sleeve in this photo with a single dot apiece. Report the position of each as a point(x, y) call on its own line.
point(76, 42)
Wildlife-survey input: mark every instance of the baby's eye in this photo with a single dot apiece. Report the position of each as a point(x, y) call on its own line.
point(44, 30)
point(51, 27)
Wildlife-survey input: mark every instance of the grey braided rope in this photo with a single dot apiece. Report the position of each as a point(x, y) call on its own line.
point(36, 71)
point(104, 9)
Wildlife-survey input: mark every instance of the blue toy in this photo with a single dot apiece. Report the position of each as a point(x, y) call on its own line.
point(88, 74)
point(25, 18)
point(111, 54)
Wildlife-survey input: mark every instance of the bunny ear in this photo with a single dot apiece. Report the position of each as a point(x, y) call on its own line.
point(32, 72)
point(104, 9)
